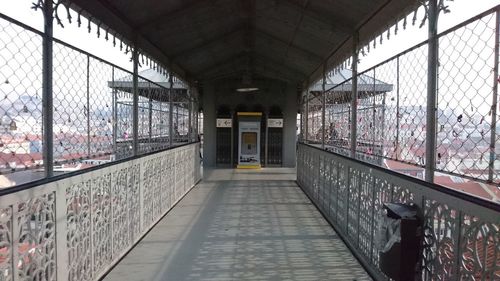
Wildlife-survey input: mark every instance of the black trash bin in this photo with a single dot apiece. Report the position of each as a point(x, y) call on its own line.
point(400, 244)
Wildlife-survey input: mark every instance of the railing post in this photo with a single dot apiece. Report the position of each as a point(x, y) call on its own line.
point(47, 95)
point(301, 121)
point(374, 112)
point(232, 112)
point(115, 114)
point(397, 109)
point(135, 103)
point(266, 144)
point(307, 113)
point(171, 110)
point(88, 107)
point(323, 111)
point(354, 96)
point(432, 88)
point(150, 117)
point(190, 111)
point(494, 104)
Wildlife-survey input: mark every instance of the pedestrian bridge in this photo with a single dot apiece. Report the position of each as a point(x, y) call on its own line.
point(241, 225)
point(240, 141)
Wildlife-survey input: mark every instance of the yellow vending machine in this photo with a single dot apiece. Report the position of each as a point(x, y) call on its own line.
point(249, 140)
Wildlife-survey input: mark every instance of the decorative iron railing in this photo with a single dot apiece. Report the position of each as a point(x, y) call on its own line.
point(77, 226)
point(461, 233)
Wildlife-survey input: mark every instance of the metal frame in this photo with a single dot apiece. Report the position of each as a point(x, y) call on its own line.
point(431, 97)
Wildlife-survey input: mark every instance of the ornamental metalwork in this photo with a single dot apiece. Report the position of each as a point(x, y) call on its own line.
point(461, 239)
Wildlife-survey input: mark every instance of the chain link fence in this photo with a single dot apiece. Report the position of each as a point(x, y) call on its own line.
point(21, 97)
point(93, 116)
point(391, 112)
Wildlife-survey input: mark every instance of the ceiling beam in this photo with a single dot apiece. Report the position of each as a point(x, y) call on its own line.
point(220, 63)
point(207, 43)
point(297, 26)
point(235, 65)
point(294, 47)
point(163, 18)
point(335, 25)
point(265, 59)
point(268, 59)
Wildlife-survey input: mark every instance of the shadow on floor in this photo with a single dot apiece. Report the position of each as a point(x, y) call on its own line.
point(244, 229)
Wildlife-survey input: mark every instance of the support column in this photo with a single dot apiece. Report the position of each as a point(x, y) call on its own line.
point(115, 116)
point(232, 112)
point(494, 104)
point(47, 95)
point(135, 103)
point(266, 148)
point(171, 110)
point(150, 117)
point(88, 107)
point(190, 118)
point(302, 116)
point(432, 88)
point(306, 118)
point(397, 110)
point(323, 110)
point(354, 95)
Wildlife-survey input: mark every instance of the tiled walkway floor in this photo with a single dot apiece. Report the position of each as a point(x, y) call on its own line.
point(241, 225)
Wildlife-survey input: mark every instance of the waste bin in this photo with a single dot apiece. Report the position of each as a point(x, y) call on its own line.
point(400, 243)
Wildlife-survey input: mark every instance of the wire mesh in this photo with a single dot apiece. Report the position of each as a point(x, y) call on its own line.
point(465, 98)
point(314, 118)
point(338, 118)
point(93, 108)
point(20, 98)
point(412, 106)
point(392, 106)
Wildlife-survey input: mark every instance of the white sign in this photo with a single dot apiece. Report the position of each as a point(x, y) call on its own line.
point(275, 123)
point(224, 123)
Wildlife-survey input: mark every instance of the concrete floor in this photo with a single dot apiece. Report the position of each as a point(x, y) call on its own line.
point(241, 225)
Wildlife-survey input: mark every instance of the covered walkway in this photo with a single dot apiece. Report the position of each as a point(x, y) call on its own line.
point(241, 225)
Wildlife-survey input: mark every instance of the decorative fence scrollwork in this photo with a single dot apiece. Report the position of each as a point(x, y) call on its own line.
point(77, 227)
point(462, 234)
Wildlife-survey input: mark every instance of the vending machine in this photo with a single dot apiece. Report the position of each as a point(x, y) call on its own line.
point(249, 124)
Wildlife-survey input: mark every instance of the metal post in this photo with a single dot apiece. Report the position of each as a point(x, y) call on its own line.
point(190, 111)
point(171, 111)
point(115, 115)
point(266, 148)
point(150, 117)
point(88, 106)
point(432, 72)
point(301, 121)
point(382, 131)
point(495, 100)
point(232, 137)
point(397, 109)
point(323, 111)
point(354, 96)
point(47, 95)
point(135, 103)
point(307, 113)
point(374, 115)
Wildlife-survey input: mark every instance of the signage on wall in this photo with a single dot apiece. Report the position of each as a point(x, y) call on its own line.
point(275, 123)
point(224, 123)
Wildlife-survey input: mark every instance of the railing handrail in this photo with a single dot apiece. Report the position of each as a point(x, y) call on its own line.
point(436, 187)
point(33, 184)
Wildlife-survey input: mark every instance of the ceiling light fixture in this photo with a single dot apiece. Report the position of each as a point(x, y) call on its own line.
point(246, 84)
